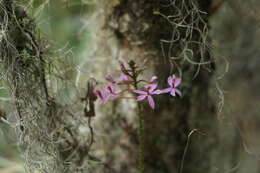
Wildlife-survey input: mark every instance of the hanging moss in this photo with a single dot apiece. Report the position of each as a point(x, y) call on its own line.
point(48, 132)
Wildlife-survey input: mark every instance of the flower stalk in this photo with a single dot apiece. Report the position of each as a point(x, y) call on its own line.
point(141, 134)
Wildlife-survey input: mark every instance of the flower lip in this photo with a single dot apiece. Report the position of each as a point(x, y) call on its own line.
point(150, 87)
point(110, 88)
point(173, 81)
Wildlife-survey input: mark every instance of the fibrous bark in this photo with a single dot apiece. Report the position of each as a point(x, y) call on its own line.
point(48, 131)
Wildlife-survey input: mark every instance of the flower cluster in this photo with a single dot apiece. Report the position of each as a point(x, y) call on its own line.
point(128, 80)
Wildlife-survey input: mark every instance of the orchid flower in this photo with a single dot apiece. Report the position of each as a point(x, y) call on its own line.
point(173, 82)
point(101, 95)
point(149, 90)
point(110, 89)
point(123, 78)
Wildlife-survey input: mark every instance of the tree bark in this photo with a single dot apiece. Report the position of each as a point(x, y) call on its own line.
point(147, 29)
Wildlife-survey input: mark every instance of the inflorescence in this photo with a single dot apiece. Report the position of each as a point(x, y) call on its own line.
point(128, 82)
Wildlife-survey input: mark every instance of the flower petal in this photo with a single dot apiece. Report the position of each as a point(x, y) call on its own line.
point(150, 87)
point(157, 92)
point(151, 101)
point(166, 90)
point(140, 92)
point(122, 78)
point(173, 93)
point(103, 100)
point(141, 97)
point(176, 81)
point(117, 92)
point(178, 91)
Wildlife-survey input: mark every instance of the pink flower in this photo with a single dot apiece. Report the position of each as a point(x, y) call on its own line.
point(149, 90)
point(122, 79)
point(110, 90)
point(101, 95)
point(173, 81)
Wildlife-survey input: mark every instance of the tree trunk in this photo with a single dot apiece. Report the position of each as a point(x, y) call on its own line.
point(173, 37)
